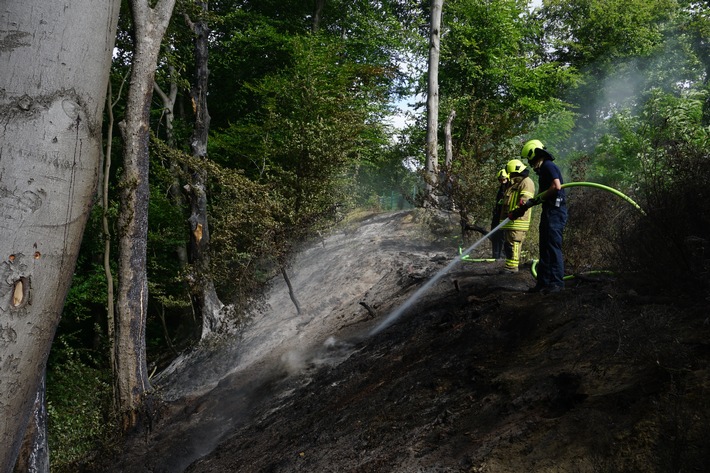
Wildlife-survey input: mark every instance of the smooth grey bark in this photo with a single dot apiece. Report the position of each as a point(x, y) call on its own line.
point(132, 298)
point(54, 69)
point(168, 98)
point(432, 100)
point(449, 144)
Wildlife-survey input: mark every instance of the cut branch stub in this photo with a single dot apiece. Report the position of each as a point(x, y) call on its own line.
point(20, 292)
point(198, 232)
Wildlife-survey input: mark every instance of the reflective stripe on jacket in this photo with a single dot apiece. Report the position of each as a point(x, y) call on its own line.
point(522, 189)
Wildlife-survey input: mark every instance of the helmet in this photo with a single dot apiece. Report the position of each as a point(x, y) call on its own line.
point(514, 165)
point(502, 174)
point(528, 151)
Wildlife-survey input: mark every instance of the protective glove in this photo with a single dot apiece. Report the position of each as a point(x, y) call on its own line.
point(530, 203)
point(517, 213)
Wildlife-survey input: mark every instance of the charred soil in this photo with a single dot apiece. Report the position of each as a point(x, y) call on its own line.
point(478, 376)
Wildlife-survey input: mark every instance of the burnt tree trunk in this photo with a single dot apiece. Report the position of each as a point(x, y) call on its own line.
point(204, 296)
point(132, 298)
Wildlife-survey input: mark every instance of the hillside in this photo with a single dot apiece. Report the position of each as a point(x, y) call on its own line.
point(477, 376)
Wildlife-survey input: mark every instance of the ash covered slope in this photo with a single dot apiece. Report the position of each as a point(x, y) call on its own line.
point(342, 283)
point(481, 377)
point(476, 377)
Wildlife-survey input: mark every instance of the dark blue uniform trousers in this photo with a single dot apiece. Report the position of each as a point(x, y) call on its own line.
point(551, 268)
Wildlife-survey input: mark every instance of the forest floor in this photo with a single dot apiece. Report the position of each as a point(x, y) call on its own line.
point(476, 376)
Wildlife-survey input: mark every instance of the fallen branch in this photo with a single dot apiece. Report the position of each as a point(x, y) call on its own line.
point(369, 309)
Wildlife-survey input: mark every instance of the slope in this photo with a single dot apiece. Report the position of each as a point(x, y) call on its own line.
point(477, 376)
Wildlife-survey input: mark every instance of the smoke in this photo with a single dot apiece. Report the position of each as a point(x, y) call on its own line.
point(294, 362)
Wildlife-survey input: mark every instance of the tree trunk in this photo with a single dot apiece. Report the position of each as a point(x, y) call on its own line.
point(204, 296)
point(432, 101)
point(317, 14)
point(449, 145)
point(110, 288)
point(168, 100)
point(132, 298)
point(54, 70)
point(176, 195)
point(447, 186)
point(34, 454)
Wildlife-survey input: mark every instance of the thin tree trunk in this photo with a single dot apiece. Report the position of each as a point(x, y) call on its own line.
point(317, 14)
point(110, 295)
point(449, 145)
point(176, 195)
point(168, 105)
point(432, 153)
point(448, 184)
point(132, 298)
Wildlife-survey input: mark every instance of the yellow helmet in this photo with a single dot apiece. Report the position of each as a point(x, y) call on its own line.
point(514, 165)
point(502, 174)
point(528, 151)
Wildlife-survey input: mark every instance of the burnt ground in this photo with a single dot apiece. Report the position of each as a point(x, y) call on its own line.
point(477, 376)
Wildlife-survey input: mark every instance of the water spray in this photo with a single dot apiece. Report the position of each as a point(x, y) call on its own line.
point(419, 292)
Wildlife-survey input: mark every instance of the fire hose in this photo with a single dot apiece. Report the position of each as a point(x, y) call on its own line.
point(538, 198)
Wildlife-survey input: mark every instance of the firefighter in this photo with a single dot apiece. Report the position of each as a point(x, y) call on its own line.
point(497, 237)
point(550, 269)
point(521, 189)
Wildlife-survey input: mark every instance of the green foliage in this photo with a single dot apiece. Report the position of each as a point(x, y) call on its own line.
point(245, 229)
point(78, 400)
point(492, 74)
point(592, 34)
point(641, 149)
point(661, 156)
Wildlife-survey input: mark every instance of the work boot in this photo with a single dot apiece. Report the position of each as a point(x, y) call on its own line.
point(535, 289)
point(551, 290)
point(507, 270)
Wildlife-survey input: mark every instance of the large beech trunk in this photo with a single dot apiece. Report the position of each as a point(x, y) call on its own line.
point(54, 68)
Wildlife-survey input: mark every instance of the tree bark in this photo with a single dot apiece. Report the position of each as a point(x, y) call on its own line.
point(204, 296)
point(132, 298)
point(432, 101)
point(34, 454)
point(317, 14)
point(110, 287)
point(449, 144)
point(168, 100)
point(54, 66)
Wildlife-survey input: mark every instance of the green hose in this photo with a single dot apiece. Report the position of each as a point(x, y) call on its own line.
point(533, 270)
point(628, 199)
point(541, 196)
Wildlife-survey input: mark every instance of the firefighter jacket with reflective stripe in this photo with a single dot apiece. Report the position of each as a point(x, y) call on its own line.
point(521, 189)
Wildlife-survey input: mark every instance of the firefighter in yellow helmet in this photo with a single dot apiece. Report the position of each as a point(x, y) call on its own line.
point(521, 189)
point(497, 237)
point(550, 272)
